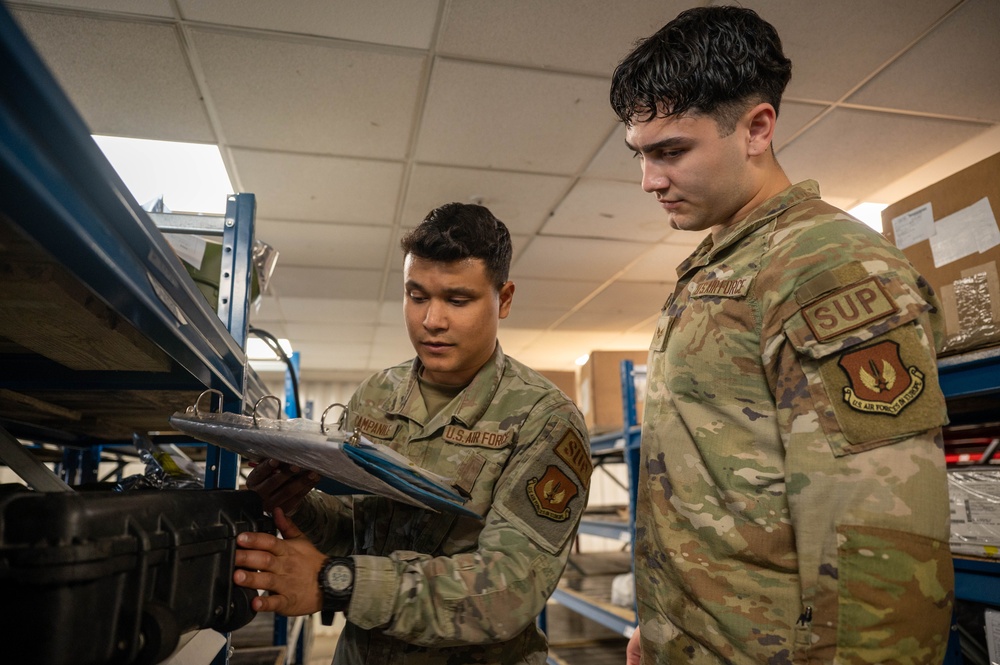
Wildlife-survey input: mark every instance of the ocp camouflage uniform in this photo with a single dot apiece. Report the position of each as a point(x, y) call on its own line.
point(440, 588)
point(793, 505)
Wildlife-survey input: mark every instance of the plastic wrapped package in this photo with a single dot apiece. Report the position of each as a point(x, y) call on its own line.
point(975, 511)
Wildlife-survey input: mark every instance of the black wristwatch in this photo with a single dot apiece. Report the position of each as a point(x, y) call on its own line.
point(336, 581)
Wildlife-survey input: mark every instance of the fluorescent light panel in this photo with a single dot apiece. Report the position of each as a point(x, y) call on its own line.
point(190, 177)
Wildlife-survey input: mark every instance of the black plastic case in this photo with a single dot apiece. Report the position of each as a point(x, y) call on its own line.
point(106, 577)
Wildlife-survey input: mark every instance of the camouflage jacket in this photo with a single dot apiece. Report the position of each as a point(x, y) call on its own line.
point(440, 588)
point(792, 503)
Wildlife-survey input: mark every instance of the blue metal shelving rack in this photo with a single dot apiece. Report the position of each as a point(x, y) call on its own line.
point(625, 442)
point(61, 198)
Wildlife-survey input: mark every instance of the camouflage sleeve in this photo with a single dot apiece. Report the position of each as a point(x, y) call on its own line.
point(860, 408)
point(326, 521)
point(493, 592)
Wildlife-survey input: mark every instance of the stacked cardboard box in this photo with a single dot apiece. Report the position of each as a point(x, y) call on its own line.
point(599, 389)
point(949, 231)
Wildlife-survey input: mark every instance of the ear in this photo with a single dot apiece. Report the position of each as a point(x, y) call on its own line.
point(506, 297)
point(760, 125)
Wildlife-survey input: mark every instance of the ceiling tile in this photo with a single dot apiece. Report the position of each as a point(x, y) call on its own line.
point(398, 22)
point(332, 355)
point(953, 71)
point(552, 294)
point(614, 161)
point(793, 117)
point(302, 282)
point(499, 117)
point(854, 153)
point(660, 263)
point(310, 187)
point(857, 35)
point(619, 307)
point(565, 258)
point(125, 78)
point(521, 201)
point(310, 96)
point(572, 35)
point(333, 333)
point(526, 318)
point(603, 209)
point(325, 246)
point(159, 8)
point(329, 310)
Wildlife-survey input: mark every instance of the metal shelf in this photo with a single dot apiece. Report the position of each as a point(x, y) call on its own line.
point(106, 333)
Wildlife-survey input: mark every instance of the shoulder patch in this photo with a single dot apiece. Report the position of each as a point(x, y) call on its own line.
point(848, 308)
point(551, 494)
point(571, 450)
point(879, 382)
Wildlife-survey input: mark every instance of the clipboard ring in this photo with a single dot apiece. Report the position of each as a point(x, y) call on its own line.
point(198, 401)
point(274, 397)
point(340, 420)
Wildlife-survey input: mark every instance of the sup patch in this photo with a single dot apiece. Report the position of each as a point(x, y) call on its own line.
point(551, 494)
point(848, 309)
point(879, 382)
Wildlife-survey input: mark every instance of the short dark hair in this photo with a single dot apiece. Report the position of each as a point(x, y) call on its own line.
point(716, 61)
point(457, 231)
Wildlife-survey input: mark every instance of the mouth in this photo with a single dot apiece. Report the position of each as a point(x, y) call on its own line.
point(436, 347)
point(669, 205)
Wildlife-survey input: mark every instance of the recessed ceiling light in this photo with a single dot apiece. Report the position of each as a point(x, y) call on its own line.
point(189, 177)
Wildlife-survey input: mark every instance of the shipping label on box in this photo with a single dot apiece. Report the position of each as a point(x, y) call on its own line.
point(949, 232)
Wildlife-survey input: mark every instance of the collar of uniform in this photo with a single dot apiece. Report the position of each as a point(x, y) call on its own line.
point(763, 214)
point(473, 400)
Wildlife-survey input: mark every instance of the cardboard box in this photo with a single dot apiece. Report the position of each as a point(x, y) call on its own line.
point(949, 232)
point(565, 381)
point(599, 389)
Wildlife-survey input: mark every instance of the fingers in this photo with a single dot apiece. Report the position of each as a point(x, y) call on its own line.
point(281, 485)
point(285, 525)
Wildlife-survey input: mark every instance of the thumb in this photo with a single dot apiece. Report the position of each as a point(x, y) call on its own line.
point(285, 525)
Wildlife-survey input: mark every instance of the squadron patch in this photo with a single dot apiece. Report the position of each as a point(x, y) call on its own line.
point(848, 309)
point(551, 494)
point(879, 382)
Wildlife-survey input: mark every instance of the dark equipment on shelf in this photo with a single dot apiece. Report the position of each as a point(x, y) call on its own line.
point(106, 577)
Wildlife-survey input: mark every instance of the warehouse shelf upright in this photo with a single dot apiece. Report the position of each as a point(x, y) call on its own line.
point(624, 442)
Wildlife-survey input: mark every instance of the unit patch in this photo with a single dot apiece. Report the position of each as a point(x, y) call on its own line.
point(483, 439)
point(572, 451)
point(879, 382)
point(848, 309)
point(551, 494)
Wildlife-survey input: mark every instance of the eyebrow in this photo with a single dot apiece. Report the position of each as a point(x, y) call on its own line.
point(671, 142)
point(448, 293)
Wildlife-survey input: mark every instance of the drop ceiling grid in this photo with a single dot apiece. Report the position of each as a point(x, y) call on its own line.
point(500, 122)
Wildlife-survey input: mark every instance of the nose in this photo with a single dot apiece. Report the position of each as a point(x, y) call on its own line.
point(435, 316)
point(653, 177)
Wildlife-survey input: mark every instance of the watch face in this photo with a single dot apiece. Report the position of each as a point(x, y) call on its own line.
point(339, 577)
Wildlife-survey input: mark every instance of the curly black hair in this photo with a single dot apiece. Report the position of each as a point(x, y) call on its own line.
point(457, 231)
point(716, 61)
